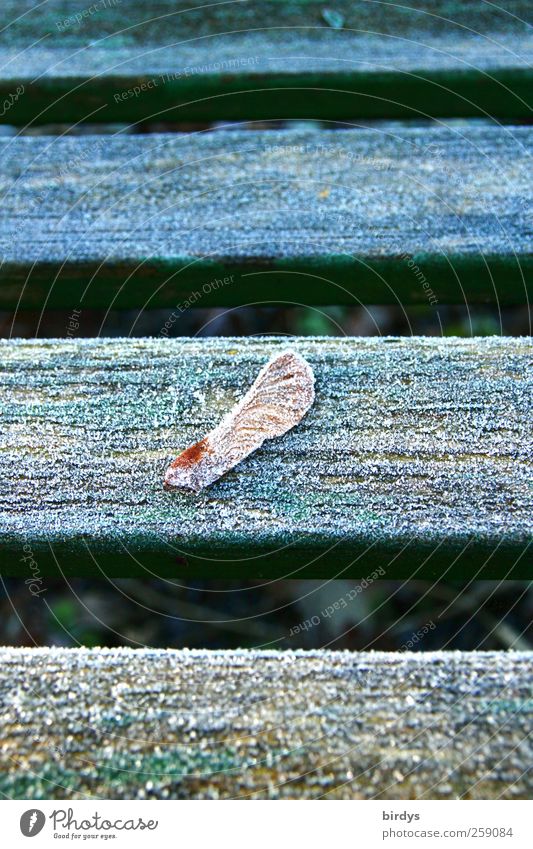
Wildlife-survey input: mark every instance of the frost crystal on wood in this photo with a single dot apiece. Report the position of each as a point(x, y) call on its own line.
point(278, 399)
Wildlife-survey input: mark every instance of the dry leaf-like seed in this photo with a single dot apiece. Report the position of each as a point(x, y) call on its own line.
point(278, 399)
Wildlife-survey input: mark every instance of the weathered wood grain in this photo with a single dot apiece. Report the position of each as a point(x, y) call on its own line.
point(125, 724)
point(416, 457)
point(387, 214)
point(266, 58)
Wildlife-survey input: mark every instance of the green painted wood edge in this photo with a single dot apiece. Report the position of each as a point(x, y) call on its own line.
point(405, 559)
point(455, 279)
point(505, 94)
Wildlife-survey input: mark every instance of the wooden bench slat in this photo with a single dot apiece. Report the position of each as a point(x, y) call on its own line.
point(148, 221)
point(416, 457)
point(307, 724)
point(265, 59)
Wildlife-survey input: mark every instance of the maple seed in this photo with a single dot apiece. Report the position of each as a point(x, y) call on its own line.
point(278, 399)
